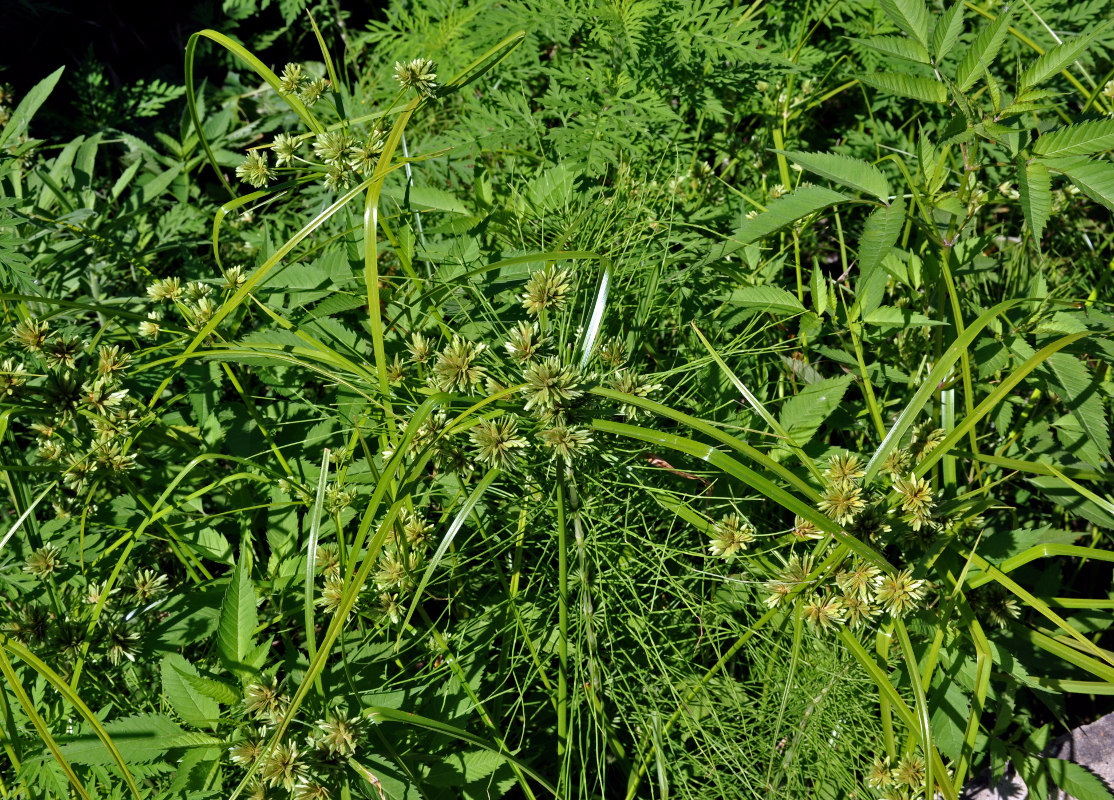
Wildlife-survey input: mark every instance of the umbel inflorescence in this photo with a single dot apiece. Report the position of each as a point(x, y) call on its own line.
point(342, 155)
point(897, 515)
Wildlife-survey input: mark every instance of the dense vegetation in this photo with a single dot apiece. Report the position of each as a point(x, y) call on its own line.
point(657, 398)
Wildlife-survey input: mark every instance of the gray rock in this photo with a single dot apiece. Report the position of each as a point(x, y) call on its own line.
point(1091, 746)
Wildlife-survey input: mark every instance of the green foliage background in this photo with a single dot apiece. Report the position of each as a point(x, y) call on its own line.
point(666, 398)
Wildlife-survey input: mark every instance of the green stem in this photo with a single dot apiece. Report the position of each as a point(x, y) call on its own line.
point(562, 621)
point(646, 750)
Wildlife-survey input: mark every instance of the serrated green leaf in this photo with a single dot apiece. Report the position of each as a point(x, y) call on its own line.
point(1035, 186)
point(805, 200)
point(819, 290)
point(238, 618)
point(1075, 440)
point(155, 186)
point(196, 765)
point(924, 89)
point(898, 47)
point(1081, 395)
point(142, 738)
point(880, 232)
point(1057, 58)
point(217, 690)
point(983, 51)
point(911, 16)
point(947, 30)
point(892, 317)
point(1083, 139)
point(802, 414)
point(767, 298)
point(1076, 781)
point(851, 172)
point(994, 90)
point(1018, 107)
point(1094, 178)
point(191, 705)
point(211, 544)
point(21, 117)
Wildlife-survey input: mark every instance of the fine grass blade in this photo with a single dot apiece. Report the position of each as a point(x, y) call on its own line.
point(745, 475)
point(447, 540)
point(40, 724)
point(483, 64)
point(70, 696)
point(939, 372)
point(760, 409)
point(311, 559)
point(382, 713)
point(713, 432)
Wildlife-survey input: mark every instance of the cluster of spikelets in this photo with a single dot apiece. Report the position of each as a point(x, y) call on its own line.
point(194, 304)
point(903, 781)
point(305, 771)
point(341, 156)
point(854, 594)
point(85, 416)
point(528, 366)
point(59, 629)
point(857, 592)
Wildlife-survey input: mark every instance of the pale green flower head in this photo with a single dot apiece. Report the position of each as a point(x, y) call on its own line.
point(417, 74)
point(254, 170)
